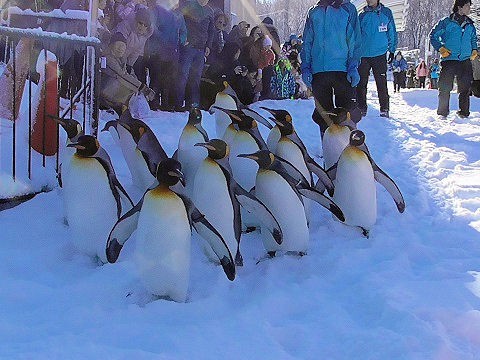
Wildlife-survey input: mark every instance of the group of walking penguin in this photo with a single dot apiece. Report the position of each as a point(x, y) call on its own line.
point(221, 187)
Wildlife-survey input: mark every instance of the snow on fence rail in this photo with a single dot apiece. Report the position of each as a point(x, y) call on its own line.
point(29, 101)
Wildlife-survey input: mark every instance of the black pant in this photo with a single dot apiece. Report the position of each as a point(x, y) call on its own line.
point(324, 86)
point(398, 80)
point(162, 81)
point(421, 80)
point(379, 66)
point(463, 71)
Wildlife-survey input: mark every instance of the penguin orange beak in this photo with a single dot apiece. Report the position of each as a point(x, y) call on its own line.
point(59, 121)
point(179, 175)
point(248, 156)
point(206, 146)
point(76, 146)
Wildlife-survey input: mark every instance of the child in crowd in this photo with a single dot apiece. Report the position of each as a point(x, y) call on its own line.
point(283, 83)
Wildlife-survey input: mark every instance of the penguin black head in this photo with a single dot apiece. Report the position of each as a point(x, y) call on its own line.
point(169, 172)
point(337, 115)
point(217, 149)
point(72, 127)
point(285, 127)
point(136, 128)
point(86, 145)
point(357, 138)
point(279, 115)
point(194, 116)
point(263, 158)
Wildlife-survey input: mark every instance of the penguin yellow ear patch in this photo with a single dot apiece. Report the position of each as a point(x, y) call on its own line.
point(348, 116)
point(272, 158)
point(97, 143)
point(141, 130)
point(288, 118)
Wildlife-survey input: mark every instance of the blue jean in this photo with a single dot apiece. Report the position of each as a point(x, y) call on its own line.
point(190, 72)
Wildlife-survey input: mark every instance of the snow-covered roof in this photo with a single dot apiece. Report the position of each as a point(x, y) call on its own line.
point(39, 33)
point(399, 9)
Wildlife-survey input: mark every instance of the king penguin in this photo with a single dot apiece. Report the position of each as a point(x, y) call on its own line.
point(140, 147)
point(214, 176)
point(355, 191)
point(282, 195)
point(93, 197)
point(74, 130)
point(163, 220)
point(290, 147)
point(189, 155)
point(223, 100)
point(337, 136)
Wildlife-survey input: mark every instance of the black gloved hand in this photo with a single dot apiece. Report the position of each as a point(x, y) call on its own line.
point(390, 58)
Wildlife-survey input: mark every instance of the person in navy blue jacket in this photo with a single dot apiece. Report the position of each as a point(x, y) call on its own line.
point(199, 19)
point(456, 39)
point(162, 53)
point(379, 35)
point(330, 56)
point(399, 68)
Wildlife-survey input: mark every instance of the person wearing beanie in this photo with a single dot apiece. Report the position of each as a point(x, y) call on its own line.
point(330, 57)
point(455, 38)
point(379, 35)
point(136, 29)
point(268, 29)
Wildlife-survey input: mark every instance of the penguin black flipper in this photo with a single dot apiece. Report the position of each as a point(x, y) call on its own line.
point(255, 133)
point(318, 197)
point(202, 131)
point(203, 227)
point(152, 150)
point(292, 170)
point(257, 117)
point(121, 232)
point(109, 124)
point(385, 180)
point(312, 165)
point(255, 206)
point(115, 186)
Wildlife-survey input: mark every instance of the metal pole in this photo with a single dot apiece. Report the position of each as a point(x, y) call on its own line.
point(30, 117)
point(44, 108)
point(12, 54)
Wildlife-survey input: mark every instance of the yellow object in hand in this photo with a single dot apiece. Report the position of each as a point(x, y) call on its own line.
point(444, 52)
point(474, 55)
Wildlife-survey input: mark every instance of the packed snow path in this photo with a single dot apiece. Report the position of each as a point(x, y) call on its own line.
point(408, 292)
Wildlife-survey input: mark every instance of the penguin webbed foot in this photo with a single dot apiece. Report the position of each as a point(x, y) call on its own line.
point(269, 255)
point(299, 254)
point(249, 229)
point(365, 232)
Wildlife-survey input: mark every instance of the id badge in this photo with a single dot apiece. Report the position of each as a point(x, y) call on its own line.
point(382, 28)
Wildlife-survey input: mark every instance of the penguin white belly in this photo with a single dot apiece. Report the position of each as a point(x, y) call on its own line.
point(141, 176)
point(244, 170)
point(90, 207)
point(190, 156)
point(162, 253)
point(211, 197)
point(335, 140)
point(291, 152)
point(222, 120)
point(355, 190)
point(229, 135)
point(279, 197)
point(273, 139)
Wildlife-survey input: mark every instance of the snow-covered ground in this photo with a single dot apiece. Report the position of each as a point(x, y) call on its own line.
point(410, 291)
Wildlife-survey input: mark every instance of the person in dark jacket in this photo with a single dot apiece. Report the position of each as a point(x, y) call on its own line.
point(162, 53)
point(399, 68)
point(238, 33)
point(379, 35)
point(200, 29)
point(219, 37)
point(330, 57)
point(268, 29)
point(455, 38)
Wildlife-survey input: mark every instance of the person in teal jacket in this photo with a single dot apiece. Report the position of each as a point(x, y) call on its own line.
point(434, 74)
point(456, 40)
point(379, 35)
point(330, 56)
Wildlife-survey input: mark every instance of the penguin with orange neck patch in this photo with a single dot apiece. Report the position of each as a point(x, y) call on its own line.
point(354, 176)
point(163, 220)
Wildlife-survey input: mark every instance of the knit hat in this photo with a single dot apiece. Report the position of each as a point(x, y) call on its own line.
point(293, 37)
point(118, 37)
point(143, 15)
point(267, 41)
point(268, 20)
